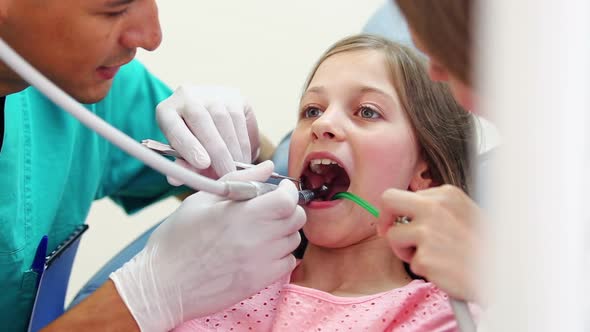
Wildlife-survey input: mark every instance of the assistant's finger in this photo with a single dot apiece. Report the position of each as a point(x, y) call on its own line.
point(452, 200)
point(392, 201)
point(403, 240)
point(403, 203)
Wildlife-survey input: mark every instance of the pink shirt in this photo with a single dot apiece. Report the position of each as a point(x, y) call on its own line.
point(418, 306)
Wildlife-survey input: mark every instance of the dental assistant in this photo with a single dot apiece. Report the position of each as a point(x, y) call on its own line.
point(443, 241)
point(204, 257)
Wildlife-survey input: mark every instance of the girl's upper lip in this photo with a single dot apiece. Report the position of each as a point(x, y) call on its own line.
point(322, 155)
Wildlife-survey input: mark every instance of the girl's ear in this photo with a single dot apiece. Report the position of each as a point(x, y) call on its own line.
point(422, 177)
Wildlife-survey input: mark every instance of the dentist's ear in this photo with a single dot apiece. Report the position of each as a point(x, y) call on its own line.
point(4, 4)
point(422, 177)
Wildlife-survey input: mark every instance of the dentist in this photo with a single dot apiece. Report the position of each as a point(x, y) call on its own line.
point(205, 256)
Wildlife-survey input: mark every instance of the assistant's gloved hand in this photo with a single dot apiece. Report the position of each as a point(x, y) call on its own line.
point(443, 242)
point(212, 253)
point(210, 127)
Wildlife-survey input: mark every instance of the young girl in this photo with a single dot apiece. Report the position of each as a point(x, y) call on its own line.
point(370, 119)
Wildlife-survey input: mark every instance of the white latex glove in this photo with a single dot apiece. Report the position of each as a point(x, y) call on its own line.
point(210, 127)
point(211, 253)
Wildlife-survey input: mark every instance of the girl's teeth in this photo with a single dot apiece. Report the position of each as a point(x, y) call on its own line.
point(323, 161)
point(315, 167)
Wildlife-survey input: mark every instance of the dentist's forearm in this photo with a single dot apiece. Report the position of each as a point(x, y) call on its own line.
point(102, 311)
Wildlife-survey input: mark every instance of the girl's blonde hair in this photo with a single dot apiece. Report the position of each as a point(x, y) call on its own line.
point(443, 129)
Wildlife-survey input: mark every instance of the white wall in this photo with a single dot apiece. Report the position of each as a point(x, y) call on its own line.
point(266, 48)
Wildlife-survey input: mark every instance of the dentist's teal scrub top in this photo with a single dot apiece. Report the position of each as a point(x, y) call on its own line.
point(52, 168)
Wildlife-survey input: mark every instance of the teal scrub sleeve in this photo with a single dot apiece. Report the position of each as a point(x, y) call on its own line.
point(132, 103)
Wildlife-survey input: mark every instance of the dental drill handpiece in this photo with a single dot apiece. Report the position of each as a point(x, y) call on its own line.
point(242, 190)
point(307, 195)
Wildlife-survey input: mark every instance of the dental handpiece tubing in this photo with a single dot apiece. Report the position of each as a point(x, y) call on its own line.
point(113, 135)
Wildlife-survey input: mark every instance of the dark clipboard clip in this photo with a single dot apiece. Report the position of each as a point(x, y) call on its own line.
point(62, 247)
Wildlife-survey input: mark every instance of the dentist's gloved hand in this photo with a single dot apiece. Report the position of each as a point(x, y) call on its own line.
point(212, 253)
point(210, 127)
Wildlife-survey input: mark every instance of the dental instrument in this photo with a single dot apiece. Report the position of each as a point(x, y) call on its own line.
point(460, 308)
point(305, 195)
point(308, 195)
point(167, 150)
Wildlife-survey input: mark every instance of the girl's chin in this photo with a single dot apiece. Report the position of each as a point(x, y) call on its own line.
point(338, 239)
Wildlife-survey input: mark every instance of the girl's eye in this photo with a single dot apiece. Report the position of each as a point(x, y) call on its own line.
point(312, 112)
point(367, 112)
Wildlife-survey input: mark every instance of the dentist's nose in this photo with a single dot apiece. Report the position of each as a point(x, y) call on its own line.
point(143, 28)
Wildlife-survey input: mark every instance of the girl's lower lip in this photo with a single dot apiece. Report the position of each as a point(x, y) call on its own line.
point(323, 204)
point(107, 73)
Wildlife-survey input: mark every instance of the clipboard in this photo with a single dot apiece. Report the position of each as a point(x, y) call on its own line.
point(53, 272)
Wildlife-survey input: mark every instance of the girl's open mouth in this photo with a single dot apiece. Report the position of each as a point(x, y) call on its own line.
point(325, 172)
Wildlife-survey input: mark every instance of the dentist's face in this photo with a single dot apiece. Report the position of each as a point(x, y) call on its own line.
point(351, 121)
point(79, 44)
